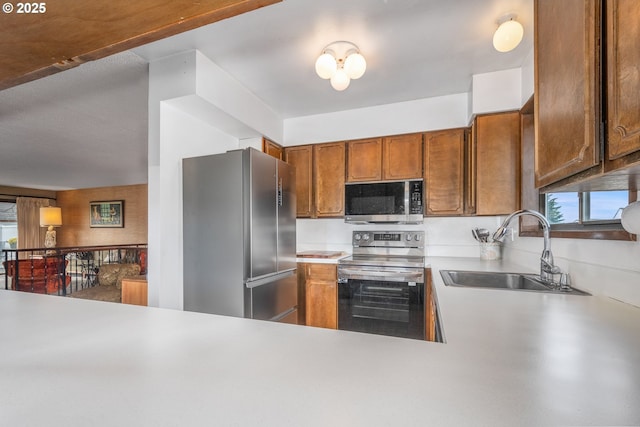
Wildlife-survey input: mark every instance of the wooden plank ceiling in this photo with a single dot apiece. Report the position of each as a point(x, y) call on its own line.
point(71, 32)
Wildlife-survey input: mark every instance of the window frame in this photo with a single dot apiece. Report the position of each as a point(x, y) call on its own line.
point(597, 230)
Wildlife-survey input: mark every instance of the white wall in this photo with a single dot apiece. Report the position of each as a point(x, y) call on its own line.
point(182, 136)
point(528, 83)
point(449, 236)
point(497, 91)
point(195, 109)
point(443, 112)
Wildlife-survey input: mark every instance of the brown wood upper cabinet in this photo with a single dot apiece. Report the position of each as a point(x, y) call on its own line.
point(320, 178)
point(623, 57)
point(569, 120)
point(301, 157)
point(364, 160)
point(402, 157)
point(444, 171)
point(272, 149)
point(497, 163)
point(329, 178)
point(389, 158)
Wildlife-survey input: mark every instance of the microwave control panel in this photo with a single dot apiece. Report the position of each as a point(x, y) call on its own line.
point(415, 198)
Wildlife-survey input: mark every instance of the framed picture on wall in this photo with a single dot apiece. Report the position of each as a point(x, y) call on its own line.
point(106, 214)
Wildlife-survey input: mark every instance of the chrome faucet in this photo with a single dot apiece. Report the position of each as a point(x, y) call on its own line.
point(547, 266)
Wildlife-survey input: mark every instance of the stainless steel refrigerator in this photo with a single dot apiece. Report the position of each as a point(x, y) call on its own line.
point(239, 217)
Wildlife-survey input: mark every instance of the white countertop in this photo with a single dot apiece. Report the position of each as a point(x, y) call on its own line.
point(511, 358)
point(323, 259)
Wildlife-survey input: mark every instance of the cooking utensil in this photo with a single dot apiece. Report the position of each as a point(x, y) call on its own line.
point(475, 234)
point(483, 234)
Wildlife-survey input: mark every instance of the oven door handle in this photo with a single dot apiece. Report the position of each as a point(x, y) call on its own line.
point(388, 275)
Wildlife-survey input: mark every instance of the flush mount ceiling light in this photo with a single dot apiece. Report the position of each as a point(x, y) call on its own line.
point(340, 61)
point(508, 35)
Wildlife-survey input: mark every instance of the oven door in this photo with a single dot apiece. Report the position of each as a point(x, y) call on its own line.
point(384, 301)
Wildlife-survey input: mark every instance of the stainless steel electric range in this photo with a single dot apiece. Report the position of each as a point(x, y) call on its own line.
point(381, 286)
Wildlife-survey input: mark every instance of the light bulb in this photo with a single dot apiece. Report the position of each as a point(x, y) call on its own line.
point(340, 80)
point(326, 65)
point(355, 65)
point(508, 36)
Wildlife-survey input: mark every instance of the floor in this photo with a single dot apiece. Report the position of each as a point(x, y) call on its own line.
point(83, 287)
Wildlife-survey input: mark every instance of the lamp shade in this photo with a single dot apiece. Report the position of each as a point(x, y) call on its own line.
point(50, 216)
point(326, 65)
point(630, 218)
point(355, 65)
point(340, 80)
point(508, 36)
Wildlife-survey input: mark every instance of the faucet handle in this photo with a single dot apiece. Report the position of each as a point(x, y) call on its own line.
point(565, 282)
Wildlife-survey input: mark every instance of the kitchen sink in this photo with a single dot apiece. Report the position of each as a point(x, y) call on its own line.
point(499, 280)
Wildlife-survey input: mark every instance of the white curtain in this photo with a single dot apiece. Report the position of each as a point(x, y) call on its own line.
point(30, 234)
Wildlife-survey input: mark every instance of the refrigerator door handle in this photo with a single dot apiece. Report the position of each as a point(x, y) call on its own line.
point(268, 278)
point(280, 192)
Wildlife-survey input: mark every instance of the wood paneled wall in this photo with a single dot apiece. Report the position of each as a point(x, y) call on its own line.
point(75, 230)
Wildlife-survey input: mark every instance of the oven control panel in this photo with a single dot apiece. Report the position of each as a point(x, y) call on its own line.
point(395, 239)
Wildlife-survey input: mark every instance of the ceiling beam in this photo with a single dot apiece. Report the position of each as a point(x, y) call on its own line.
point(70, 32)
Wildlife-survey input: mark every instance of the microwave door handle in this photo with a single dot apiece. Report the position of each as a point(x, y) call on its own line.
point(407, 196)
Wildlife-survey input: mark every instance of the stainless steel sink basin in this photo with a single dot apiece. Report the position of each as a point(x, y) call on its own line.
point(498, 280)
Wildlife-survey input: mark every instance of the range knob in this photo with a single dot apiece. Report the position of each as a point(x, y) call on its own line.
point(357, 236)
point(408, 236)
point(366, 236)
point(417, 238)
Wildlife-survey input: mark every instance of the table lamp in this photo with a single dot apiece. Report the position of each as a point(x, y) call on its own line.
point(50, 217)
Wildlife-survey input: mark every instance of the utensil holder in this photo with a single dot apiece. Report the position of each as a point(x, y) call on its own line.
point(490, 250)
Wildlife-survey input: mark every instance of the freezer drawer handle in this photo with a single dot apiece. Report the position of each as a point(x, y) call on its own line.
point(269, 278)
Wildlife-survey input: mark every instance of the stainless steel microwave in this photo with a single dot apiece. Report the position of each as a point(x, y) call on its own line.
point(399, 202)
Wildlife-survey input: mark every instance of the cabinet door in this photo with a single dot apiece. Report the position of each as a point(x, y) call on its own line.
point(497, 163)
point(623, 57)
point(321, 296)
point(402, 157)
point(470, 172)
point(364, 160)
point(301, 158)
point(430, 305)
point(329, 179)
point(444, 172)
point(566, 88)
point(272, 149)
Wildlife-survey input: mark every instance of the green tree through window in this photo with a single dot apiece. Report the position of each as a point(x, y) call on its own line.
point(553, 211)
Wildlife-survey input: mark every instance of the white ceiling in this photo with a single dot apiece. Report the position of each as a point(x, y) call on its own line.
point(87, 127)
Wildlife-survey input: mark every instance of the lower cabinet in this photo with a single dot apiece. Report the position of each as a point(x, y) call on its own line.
point(320, 284)
point(430, 308)
point(134, 290)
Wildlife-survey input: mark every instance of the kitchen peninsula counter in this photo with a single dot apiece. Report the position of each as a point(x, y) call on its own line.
point(511, 358)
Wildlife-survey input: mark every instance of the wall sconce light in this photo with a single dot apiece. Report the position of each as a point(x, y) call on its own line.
point(508, 35)
point(630, 218)
point(340, 61)
point(50, 217)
